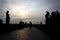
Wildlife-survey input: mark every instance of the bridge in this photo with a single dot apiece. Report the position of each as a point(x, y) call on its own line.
point(4, 28)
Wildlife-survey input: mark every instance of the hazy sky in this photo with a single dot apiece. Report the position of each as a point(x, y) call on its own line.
point(27, 10)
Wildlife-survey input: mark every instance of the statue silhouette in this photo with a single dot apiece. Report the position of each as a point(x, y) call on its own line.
point(1, 22)
point(7, 17)
point(54, 18)
point(47, 16)
point(57, 20)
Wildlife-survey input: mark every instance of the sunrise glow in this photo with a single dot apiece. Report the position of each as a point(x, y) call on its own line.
point(20, 11)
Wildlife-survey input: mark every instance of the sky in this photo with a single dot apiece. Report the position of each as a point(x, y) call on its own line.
point(27, 10)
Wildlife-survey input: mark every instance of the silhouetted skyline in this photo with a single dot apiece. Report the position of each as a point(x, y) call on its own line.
point(18, 15)
point(36, 9)
point(51, 28)
point(50, 18)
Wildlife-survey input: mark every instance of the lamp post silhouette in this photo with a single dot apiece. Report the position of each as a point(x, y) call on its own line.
point(7, 17)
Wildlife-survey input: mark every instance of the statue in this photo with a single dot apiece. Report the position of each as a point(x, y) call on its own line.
point(7, 17)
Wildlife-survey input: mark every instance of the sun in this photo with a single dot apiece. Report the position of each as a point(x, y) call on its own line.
point(20, 11)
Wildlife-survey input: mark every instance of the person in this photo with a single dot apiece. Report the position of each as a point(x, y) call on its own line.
point(30, 24)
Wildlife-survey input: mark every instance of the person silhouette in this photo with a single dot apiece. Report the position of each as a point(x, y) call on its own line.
point(30, 24)
point(7, 17)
